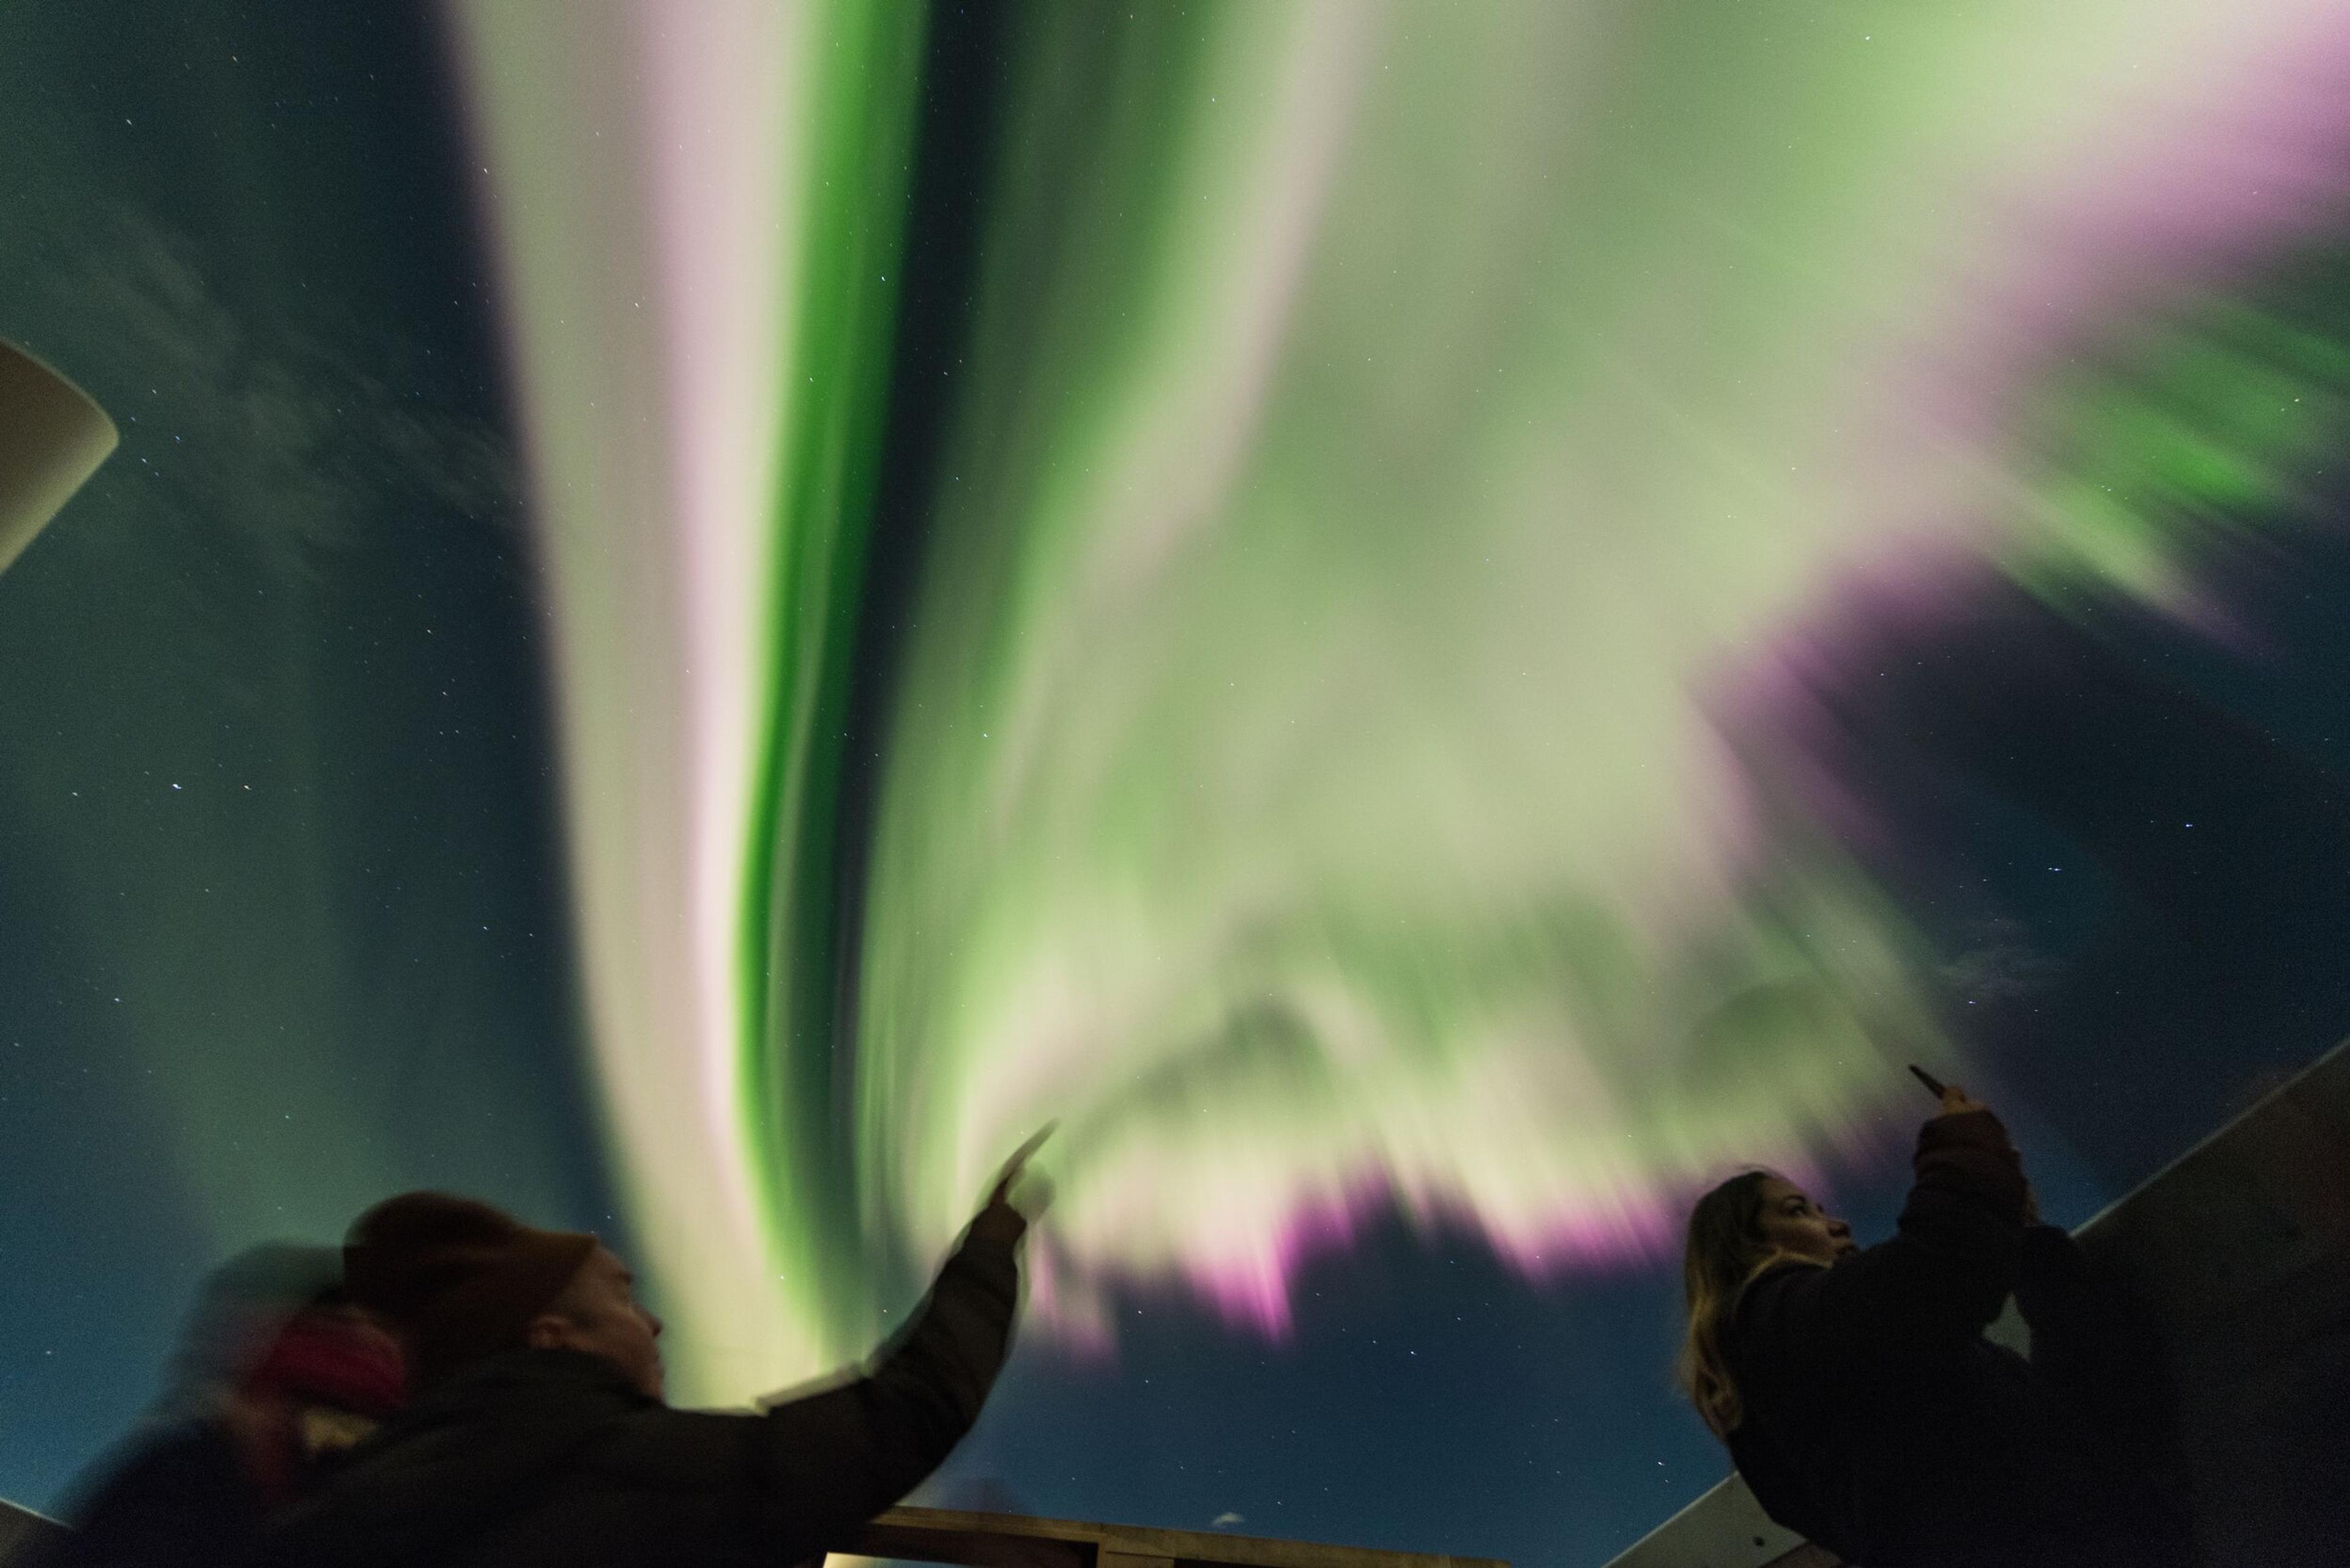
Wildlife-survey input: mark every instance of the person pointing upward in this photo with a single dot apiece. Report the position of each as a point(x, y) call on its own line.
point(539, 1435)
point(1859, 1399)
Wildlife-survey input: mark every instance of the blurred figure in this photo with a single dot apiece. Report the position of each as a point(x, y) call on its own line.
point(1866, 1410)
point(539, 1435)
point(277, 1375)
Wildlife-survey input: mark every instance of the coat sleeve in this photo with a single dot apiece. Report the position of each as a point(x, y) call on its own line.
point(805, 1472)
point(1945, 1274)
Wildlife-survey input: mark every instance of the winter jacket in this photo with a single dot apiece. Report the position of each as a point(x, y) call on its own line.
point(179, 1499)
point(195, 1493)
point(1879, 1423)
point(549, 1456)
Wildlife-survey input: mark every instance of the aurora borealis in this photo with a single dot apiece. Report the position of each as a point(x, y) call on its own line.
point(1401, 459)
point(1425, 623)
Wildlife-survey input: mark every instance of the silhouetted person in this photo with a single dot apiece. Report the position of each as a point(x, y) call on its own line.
point(538, 1435)
point(277, 1375)
point(1864, 1407)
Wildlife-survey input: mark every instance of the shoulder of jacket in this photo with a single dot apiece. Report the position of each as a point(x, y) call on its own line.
point(1768, 1283)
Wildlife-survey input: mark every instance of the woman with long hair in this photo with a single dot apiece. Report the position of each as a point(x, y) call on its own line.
point(1861, 1402)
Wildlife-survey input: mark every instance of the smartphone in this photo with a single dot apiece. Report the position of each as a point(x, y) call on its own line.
point(1933, 1085)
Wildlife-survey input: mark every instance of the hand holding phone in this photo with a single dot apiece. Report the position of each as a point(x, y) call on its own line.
point(1954, 1099)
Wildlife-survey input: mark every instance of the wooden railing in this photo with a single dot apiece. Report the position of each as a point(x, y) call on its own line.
point(1008, 1541)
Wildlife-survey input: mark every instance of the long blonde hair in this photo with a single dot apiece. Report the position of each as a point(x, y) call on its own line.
point(1726, 1250)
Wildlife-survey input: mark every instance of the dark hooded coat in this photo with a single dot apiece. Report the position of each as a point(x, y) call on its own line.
point(272, 1383)
point(179, 1499)
point(1880, 1423)
point(549, 1456)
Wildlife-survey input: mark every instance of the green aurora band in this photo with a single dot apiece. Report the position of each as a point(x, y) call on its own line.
point(1400, 455)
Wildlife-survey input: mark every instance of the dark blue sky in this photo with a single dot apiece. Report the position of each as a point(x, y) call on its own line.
point(283, 921)
point(282, 908)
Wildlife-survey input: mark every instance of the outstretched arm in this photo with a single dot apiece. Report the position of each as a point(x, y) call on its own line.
point(797, 1480)
point(1946, 1272)
point(837, 1458)
point(841, 1457)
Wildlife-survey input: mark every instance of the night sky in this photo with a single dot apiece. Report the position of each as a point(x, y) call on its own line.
point(288, 923)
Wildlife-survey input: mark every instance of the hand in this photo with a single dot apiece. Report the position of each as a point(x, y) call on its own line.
point(998, 1221)
point(1955, 1102)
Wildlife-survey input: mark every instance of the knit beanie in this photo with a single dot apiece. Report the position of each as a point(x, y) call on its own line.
point(458, 1279)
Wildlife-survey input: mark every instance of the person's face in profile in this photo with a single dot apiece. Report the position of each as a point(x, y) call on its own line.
point(1793, 1223)
point(599, 1313)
